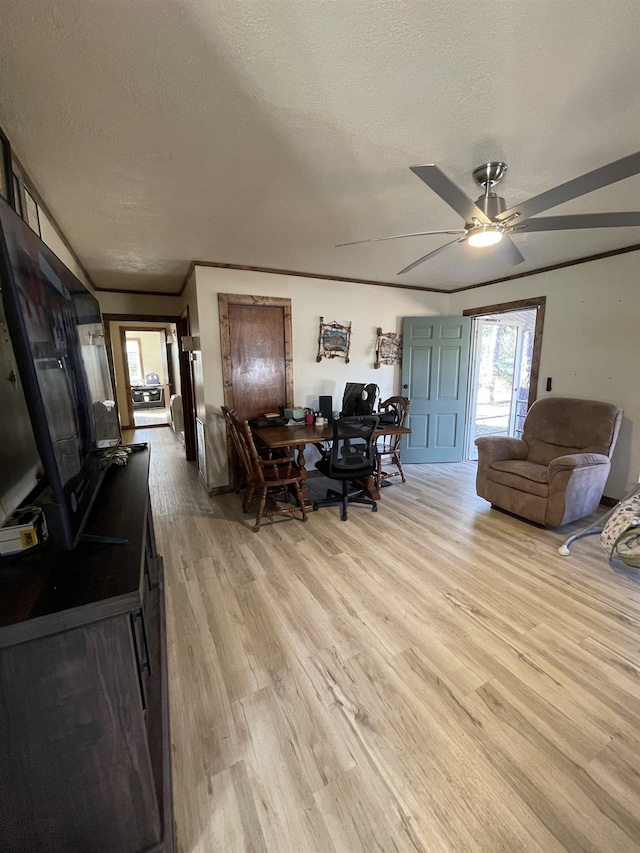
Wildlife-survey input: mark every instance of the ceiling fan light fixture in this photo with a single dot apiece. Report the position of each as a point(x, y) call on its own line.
point(486, 235)
point(489, 219)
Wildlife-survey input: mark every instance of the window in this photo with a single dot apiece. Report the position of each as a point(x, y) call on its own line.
point(134, 361)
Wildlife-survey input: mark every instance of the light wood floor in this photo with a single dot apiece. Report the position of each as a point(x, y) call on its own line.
point(433, 677)
point(151, 417)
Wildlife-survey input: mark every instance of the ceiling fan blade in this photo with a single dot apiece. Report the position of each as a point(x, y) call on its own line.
point(581, 220)
point(449, 192)
point(508, 251)
point(399, 236)
point(602, 177)
point(426, 257)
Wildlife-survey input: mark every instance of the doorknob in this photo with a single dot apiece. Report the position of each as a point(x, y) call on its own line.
point(405, 386)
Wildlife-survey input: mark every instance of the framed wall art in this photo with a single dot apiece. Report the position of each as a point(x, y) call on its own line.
point(334, 341)
point(32, 216)
point(388, 348)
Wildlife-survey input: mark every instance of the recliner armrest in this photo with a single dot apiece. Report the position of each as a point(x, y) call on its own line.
point(495, 447)
point(574, 461)
point(576, 482)
point(492, 448)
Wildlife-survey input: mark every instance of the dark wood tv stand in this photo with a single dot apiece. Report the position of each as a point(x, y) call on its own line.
point(84, 714)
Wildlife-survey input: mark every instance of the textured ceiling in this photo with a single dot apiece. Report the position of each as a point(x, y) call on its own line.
point(263, 133)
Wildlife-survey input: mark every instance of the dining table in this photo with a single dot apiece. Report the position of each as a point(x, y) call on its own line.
point(299, 435)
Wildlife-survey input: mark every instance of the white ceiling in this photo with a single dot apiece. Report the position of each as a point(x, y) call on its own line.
point(263, 133)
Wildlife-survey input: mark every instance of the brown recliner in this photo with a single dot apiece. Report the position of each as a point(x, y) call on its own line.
point(556, 472)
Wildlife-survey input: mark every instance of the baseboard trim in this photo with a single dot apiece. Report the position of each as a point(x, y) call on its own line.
point(220, 490)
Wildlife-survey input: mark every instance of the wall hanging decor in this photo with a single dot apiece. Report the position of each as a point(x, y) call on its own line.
point(388, 348)
point(334, 341)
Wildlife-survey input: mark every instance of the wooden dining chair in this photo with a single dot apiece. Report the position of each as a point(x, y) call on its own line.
point(237, 471)
point(393, 409)
point(266, 477)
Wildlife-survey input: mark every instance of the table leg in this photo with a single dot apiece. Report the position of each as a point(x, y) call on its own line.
point(303, 474)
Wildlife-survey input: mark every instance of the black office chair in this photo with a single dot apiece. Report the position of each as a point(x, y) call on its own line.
point(352, 456)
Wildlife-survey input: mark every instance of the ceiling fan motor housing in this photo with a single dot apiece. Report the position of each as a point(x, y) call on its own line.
point(489, 173)
point(491, 205)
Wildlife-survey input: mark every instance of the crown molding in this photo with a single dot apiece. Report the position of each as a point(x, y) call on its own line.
point(322, 276)
point(633, 248)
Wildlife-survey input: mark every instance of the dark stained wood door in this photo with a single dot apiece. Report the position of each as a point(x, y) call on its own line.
point(257, 359)
point(186, 389)
point(256, 348)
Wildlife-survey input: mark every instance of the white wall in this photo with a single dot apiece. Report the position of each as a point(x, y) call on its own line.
point(136, 303)
point(366, 306)
point(153, 346)
point(51, 236)
point(591, 342)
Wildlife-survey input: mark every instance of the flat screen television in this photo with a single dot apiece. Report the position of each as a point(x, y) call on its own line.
point(56, 331)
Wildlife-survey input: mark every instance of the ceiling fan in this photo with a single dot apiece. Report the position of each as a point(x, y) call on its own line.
point(489, 221)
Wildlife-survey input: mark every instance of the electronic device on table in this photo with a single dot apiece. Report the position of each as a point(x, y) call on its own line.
point(325, 404)
point(359, 398)
point(269, 419)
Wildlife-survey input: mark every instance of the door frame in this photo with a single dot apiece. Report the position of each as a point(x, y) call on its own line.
point(224, 301)
point(538, 302)
point(187, 392)
point(127, 378)
point(227, 299)
point(124, 330)
point(474, 376)
point(186, 380)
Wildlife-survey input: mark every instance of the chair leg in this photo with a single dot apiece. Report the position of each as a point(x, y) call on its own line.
point(344, 498)
point(397, 461)
point(247, 498)
point(261, 503)
point(300, 501)
point(378, 471)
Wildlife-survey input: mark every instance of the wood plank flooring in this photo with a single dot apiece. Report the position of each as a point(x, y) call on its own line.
point(430, 678)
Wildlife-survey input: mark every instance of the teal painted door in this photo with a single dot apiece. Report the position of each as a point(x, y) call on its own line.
point(435, 366)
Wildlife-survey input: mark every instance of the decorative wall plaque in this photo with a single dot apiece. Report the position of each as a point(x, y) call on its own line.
point(334, 341)
point(388, 348)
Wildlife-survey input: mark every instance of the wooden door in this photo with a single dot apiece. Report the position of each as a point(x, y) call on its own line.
point(127, 382)
point(256, 351)
point(187, 393)
point(435, 365)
